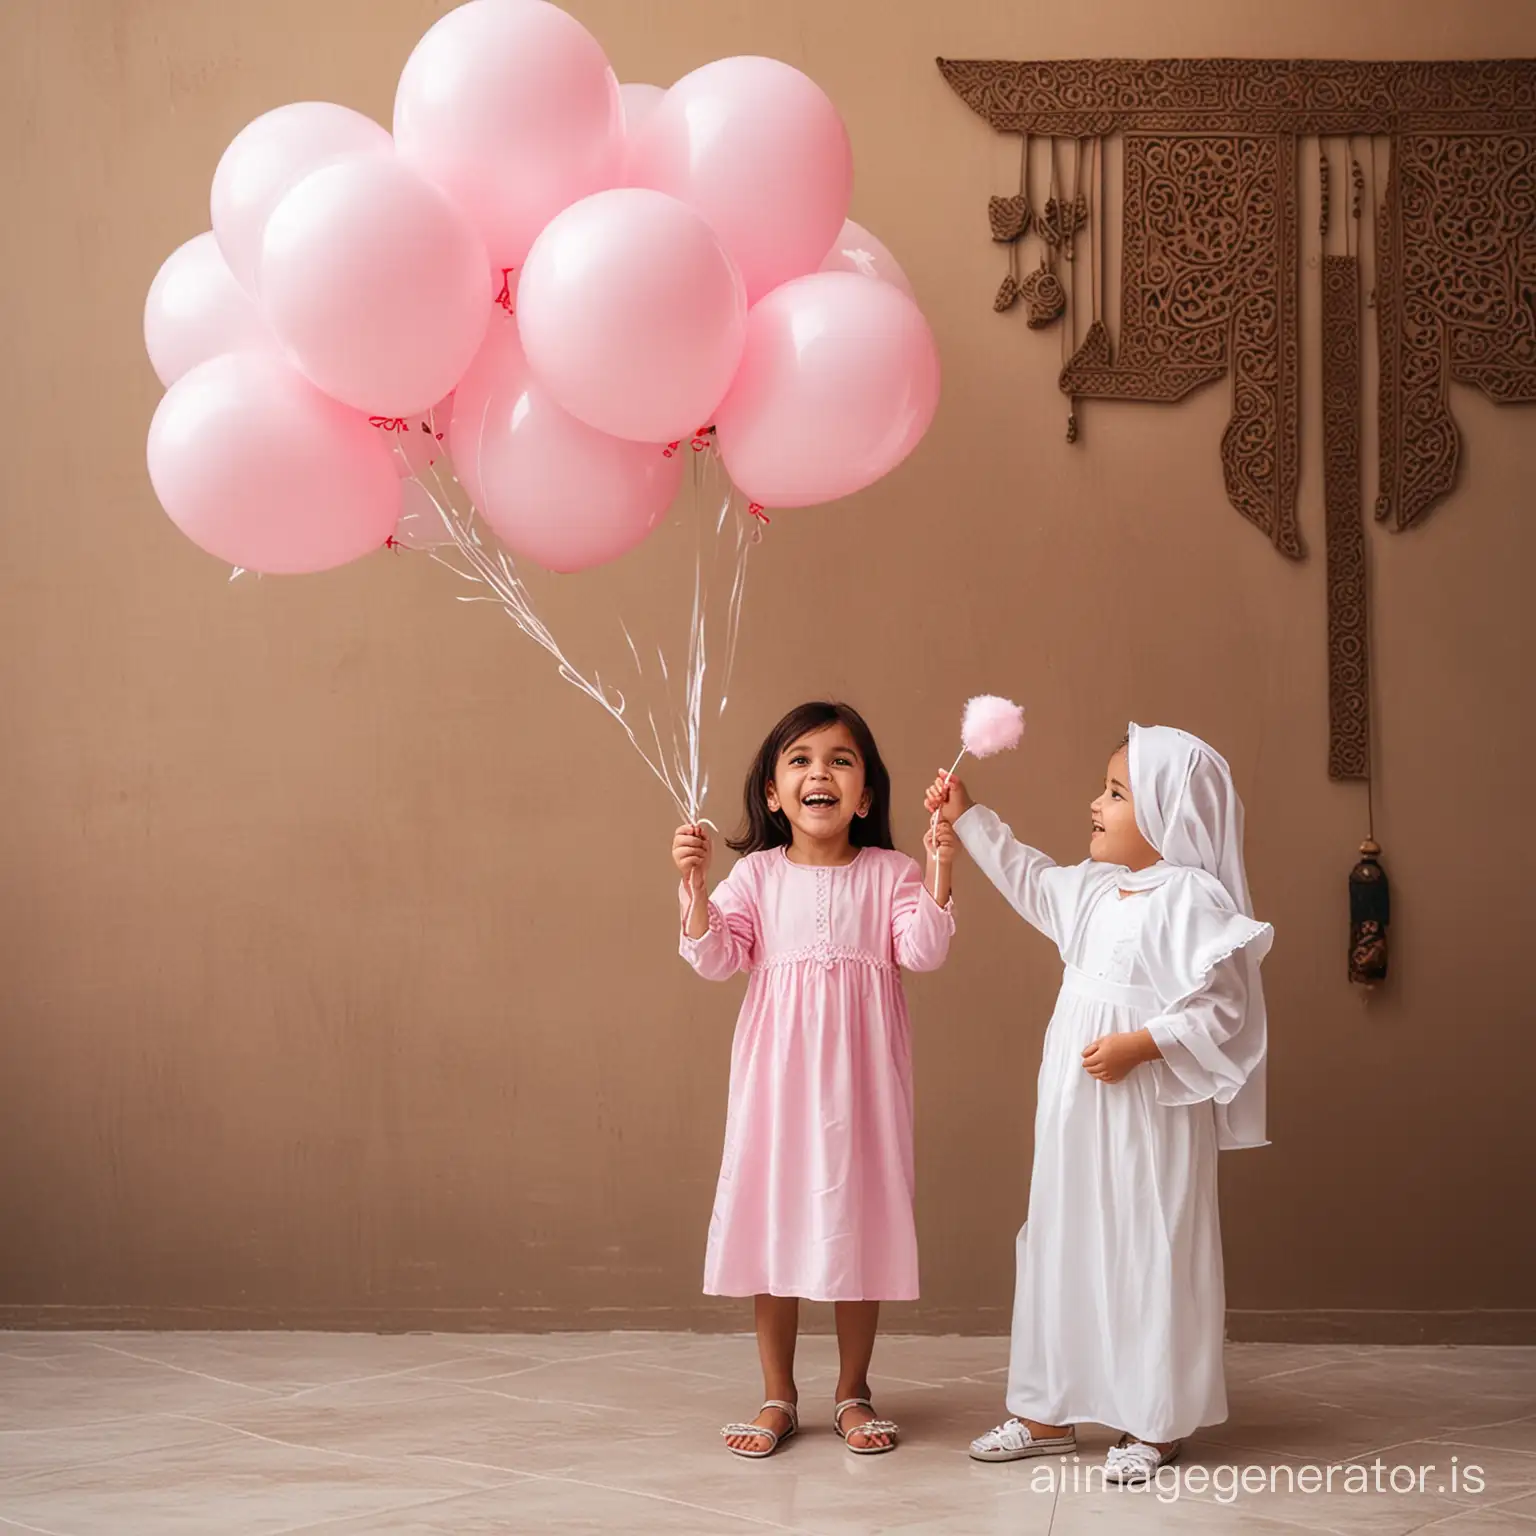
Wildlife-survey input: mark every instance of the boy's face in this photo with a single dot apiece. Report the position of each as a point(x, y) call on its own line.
point(1116, 838)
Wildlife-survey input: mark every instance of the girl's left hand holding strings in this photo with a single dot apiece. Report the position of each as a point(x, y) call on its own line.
point(1112, 1057)
point(692, 852)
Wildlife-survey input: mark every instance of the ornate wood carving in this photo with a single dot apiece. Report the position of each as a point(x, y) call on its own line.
point(1210, 271)
point(1349, 713)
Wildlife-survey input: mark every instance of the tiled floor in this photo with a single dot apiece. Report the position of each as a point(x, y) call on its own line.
point(468, 1435)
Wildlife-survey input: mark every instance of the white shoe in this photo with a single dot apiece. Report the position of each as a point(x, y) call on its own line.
point(1012, 1442)
point(1130, 1462)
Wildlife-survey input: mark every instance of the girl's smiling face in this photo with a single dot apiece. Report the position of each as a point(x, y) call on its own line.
point(819, 785)
point(1116, 838)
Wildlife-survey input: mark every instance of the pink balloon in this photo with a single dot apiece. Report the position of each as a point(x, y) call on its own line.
point(511, 108)
point(258, 467)
point(554, 490)
point(760, 151)
point(856, 250)
point(632, 314)
point(266, 157)
point(416, 443)
point(498, 367)
point(838, 384)
point(639, 101)
point(376, 284)
point(196, 310)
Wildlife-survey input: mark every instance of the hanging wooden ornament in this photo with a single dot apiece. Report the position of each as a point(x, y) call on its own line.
point(1210, 244)
point(1044, 298)
point(1349, 658)
point(1350, 752)
point(1370, 916)
point(1011, 219)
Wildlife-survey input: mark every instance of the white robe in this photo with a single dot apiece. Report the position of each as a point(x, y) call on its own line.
point(1120, 1304)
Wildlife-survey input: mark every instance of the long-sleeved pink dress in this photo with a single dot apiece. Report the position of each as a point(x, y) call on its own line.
point(815, 1191)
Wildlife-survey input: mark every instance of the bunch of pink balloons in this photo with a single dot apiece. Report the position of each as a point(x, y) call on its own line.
point(549, 274)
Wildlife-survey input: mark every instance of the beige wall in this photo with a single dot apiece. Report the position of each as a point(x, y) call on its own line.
point(337, 982)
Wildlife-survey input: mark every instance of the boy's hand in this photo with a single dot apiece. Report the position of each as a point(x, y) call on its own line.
point(692, 852)
point(1113, 1057)
point(948, 796)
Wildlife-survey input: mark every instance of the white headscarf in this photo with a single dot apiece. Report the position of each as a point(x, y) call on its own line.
point(1188, 808)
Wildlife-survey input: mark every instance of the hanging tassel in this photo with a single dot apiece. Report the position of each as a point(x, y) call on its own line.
point(1370, 915)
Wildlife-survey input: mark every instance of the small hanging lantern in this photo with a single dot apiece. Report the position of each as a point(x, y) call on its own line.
point(1370, 915)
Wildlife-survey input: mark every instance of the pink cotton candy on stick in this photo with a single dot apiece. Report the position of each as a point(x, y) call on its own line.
point(990, 725)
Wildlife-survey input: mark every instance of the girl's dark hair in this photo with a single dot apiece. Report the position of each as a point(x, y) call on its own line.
point(770, 829)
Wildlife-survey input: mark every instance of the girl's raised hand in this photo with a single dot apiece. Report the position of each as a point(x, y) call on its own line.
point(692, 852)
point(948, 796)
point(941, 842)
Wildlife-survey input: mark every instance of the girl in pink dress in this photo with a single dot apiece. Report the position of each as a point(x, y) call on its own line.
point(815, 1191)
